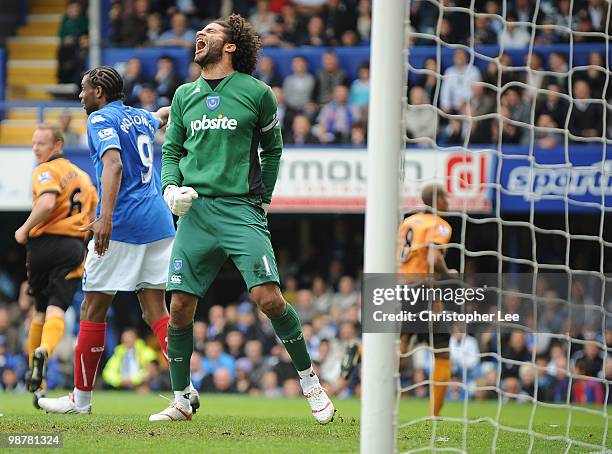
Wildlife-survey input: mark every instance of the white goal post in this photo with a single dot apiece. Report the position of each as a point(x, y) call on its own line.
point(385, 147)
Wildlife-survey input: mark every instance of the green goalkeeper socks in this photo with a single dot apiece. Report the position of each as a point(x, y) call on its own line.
point(289, 329)
point(180, 348)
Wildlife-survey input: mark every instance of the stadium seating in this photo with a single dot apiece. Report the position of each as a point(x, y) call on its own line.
point(32, 54)
point(31, 69)
point(19, 123)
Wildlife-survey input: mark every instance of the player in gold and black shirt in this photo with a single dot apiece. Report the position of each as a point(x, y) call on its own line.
point(422, 244)
point(422, 240)
point(64, 199)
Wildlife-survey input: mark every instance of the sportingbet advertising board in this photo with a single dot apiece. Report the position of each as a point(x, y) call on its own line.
point(555, 182)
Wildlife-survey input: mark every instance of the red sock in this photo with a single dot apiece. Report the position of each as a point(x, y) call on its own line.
point(87, 354)
point(160, 328)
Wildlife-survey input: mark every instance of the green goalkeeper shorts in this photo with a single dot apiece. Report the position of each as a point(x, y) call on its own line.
point(214, 229)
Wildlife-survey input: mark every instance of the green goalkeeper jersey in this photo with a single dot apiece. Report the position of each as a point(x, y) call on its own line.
point(213, 138)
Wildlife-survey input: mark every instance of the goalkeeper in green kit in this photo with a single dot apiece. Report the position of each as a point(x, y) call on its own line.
point(215, 181)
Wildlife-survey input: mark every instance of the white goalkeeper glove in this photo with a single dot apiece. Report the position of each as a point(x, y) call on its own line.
point(266, 207)
point(179, 200)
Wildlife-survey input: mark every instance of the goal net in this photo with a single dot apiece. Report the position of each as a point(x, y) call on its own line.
point(506, 106)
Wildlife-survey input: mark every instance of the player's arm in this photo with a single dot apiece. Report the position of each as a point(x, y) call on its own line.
point(25, 300)
point(162, 115)
point(110, 181)
point(106, 144)
point(93, 202)
point(178, 198)
point(271, 144)
point(43, 208)
point(435, 258)
point(172, 148)
point(45, 187)
point(439, 236)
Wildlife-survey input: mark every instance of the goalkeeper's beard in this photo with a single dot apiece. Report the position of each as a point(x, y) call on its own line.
point(212, 56)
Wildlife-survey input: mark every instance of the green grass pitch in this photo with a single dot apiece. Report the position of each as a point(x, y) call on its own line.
point(242, 424)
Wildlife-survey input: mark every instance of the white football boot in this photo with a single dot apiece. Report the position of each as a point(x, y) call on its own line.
point(63, 405)
point(322, 407)
point(174, 412)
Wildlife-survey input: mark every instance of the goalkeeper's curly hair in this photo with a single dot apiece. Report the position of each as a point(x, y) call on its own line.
point(240, 32)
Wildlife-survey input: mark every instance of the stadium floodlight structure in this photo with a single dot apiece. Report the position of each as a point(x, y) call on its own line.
point(570, 183)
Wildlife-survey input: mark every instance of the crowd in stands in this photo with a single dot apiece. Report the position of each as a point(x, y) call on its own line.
point(460, 109)
point(564, 352)
point(533, 91)
point(236, 350)
point(326, 107)
point(552, 20)
point(235, 347)
point(279, 23)
point(322, 23)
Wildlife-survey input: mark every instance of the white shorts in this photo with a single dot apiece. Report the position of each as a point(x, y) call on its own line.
point(127, 267)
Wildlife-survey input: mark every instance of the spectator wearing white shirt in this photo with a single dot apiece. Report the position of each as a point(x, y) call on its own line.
point(298, 87)
point(364, 20)
point(514, 36)
point(464, 353)
point(421, 117)
point(456, 89)
point(597, 14)
point(263, 20)
point(534, 77)
point(347, 295)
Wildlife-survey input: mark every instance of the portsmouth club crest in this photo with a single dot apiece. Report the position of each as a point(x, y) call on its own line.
point(178, 265)
point(213, 102)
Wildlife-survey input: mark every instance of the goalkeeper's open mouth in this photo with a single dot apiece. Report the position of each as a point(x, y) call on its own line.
point(200, 45)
